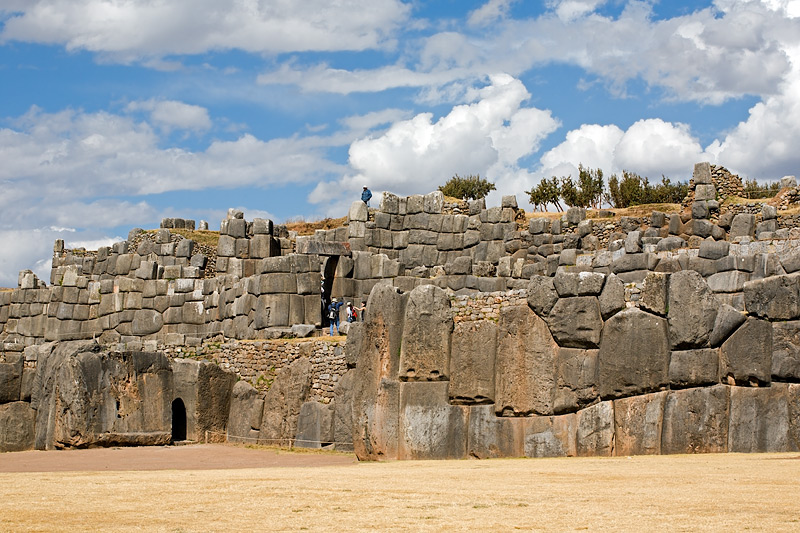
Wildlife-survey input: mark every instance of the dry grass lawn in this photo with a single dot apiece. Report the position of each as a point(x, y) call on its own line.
point(730, 492)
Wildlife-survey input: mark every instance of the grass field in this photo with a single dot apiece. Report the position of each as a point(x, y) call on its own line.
point(731, 492)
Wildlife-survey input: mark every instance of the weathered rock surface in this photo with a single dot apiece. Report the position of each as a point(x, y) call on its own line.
point(314, 426)
point(472, 372)
point(343, 412)
point(431, 428)
point(247, 407)
point(525, 364)
point(747, 354)
point(638, 423)
point(550, 436)
point(425, 352)
point(576, 322)
point(760, 419)
point(205, 390)
point(283, 401)
point(786, 350)
point(696, 420)
point(490, 436)
point(692, 310)
point(595, 430)
point(775, 298)
point(17, 424)
point(634, 354)
point(576, 379)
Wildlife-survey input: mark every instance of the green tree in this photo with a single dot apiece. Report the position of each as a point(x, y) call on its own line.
point(546, 192)
point(467, 188)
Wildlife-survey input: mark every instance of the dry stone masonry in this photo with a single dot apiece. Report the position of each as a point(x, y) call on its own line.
point(485, 335)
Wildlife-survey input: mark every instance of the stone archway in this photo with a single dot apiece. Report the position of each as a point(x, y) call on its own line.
point(178, 420)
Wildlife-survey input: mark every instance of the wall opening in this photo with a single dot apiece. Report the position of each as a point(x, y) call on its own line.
point(178, 420)
point(329, 273)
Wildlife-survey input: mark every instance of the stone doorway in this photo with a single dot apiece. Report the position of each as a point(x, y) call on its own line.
point(178, 420)
point(329, 273)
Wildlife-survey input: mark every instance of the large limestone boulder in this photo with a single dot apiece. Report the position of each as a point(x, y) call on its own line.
point(314, 426)
point(205, 390)
point(343, 412)
point(376, 390)
point(634, 354)
point(244, 420)
point(692, 310)
point(775, 297)
point(17, 420)
point(576, 322)
point(11, 378)
point(595, 430)
point(431, 428)
point(786, 350)
point(525, 364)
point(91, 398)
point(760, 419)
point(637, 424)
point(576, 379)
point(696, 420)
point(283, 401)
point(550, 436)
point(491, 436)
point(747, 354)
point(472, 372)
point(425, 351)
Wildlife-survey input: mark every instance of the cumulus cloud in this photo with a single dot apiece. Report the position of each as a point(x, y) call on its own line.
point(487, 136)
point(69, 174)
point(171, 114)
point(139, 29)
point(489, 12)
point(732, 49)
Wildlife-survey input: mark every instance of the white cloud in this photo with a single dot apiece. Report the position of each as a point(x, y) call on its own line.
point(139, 29)
point(487, 136)
point(592, 145)
point(489, 12)
point(568, 10)
point(171, 114)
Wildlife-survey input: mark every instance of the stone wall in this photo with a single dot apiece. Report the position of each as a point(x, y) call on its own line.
point(577, 370)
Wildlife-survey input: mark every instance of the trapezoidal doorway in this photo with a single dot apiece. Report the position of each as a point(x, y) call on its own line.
point(178, 420)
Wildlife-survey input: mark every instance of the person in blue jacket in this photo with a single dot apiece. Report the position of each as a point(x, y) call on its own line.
point(333, 314)
point(366, 194)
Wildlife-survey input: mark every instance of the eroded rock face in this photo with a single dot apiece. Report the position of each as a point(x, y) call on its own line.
point(431, 428)
point(425, 352)
point(638, 423)
point(376, 390)
point(491, 436)
point(247, 407)
point(634, 354)
point(696, 420)
point(525, 365)
point(550, 436)
point(760, 419)
point(576, 322)
point(89, 398)
point(343, 412)
point(786, 350)
point(17, 427)
point(283, 401)
point(747, 354)
point(472, 372)
point(205, 390)
point(692, 310)
point(314, 426)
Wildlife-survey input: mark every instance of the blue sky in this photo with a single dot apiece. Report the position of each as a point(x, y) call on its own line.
point(115, 114)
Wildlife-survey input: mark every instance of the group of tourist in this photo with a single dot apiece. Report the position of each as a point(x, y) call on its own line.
point(352, 312)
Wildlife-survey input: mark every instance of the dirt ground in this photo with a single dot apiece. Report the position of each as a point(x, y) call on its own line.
point(227, 488)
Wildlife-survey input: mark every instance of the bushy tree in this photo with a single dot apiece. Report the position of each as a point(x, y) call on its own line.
point(752, 189)
point(546, 192)
point(633, 189)
point(467, 188)
point(587, 191)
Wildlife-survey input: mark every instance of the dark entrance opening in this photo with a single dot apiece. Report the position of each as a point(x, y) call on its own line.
point(178, 420)
point(329, 272)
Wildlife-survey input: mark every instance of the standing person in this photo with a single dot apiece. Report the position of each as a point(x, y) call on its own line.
point(333, 314)
point(362, 310)
point(352, 314)
point(366, 195)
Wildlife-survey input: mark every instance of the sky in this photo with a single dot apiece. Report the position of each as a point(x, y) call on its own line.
point(117, 113)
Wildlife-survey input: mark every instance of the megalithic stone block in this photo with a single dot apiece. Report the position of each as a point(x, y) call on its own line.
point(491, 436)
point(244, 420)
point(638, 423)
point(696, 420)
point(550, 436)
point(431, 428)
point(747, 354)
point(786, 350)
point(595, 430)
point(425, 352)
point(760, 419)
point(343, 412)
point(634, 354)
point(17, 421)
point(314, 425)
point(283, 402)
point(525, 364)
point(472, 373)
point(692, 310)
point(376, 391)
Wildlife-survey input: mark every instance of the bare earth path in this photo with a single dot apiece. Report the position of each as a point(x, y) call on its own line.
point(127, 490)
